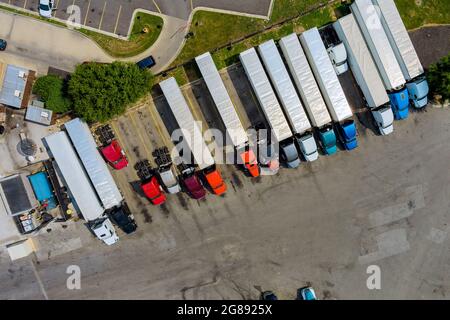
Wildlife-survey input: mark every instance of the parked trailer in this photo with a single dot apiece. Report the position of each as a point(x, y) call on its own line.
point(227, 112)
point(289, 99)
point(404, 51)
point(365, 72)
point(81, 190)
point(383, 55)
point(330, 87)
point(192, 135)
point(95, 166)
point(309, 91)
point(270, 106)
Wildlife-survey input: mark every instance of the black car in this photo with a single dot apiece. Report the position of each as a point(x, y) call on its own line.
point(3, 44)
point(146, 63)
point(268, 296)
point(123, 219)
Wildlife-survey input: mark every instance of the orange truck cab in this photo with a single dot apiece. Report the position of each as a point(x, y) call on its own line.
point(214, 180)
point(250, 164)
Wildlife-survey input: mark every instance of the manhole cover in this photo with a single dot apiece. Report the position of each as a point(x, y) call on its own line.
point(27, 147)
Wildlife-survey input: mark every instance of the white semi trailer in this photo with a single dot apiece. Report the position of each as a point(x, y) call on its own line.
point(289, 99)
point(79, 185)
point(95, 166)
point(228, 113)
point(365, 73)
point(404, 51)
point(309, 91)
point(270, 106)
point(330, 87)
point(383, 55)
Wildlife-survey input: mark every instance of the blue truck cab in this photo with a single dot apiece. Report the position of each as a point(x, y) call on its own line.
point(328, 140)
point(347, 134)
point(400, 103)
point(418, 92)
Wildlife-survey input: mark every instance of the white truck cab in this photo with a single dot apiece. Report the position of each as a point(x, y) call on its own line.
point(104, 230)
point(338, 57)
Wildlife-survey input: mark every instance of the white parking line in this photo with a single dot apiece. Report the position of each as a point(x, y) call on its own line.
point(156, 5)
point(101, 19)
point(118, 17)
point(25, 4)
point(87, 12)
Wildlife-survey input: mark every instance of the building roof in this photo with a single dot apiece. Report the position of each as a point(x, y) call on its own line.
point(12, 89)
point(39, 115)
point(16, 194)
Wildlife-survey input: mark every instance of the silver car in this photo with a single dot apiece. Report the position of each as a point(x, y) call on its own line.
point(169, 180)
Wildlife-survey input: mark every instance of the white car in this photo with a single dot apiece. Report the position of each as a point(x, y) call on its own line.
point(46, 8)
point(169, 180)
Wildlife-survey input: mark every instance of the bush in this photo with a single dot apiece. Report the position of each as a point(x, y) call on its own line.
point(439, 78)
point(51, 89)
point(102, 91)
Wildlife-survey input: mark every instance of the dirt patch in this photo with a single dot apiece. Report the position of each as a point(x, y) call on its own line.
point(431, 43)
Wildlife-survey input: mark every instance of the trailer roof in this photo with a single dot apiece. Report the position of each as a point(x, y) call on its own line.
point(304, 79)
point(95, 166)
point(191, 132)
point(74, 175)
point(396, 30)
point(284, 86)
point(368, 20)
point(265, 94)
point(326, 76)
point(222, 99)
point(361, 61)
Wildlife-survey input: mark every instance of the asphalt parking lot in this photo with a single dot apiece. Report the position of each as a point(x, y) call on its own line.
point(116, 16)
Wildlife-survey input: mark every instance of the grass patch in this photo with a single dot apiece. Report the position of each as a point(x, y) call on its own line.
point(138, 41)
point(206, 26)
point(416, 13)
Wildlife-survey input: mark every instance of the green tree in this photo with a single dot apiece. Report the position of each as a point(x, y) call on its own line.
point(102, 91)
point(51, 89)
point(439, 78)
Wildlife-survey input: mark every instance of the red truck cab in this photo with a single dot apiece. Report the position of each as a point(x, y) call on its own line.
point(250, 164)
point(153, 191)
point(115, 156)
point(215, 180)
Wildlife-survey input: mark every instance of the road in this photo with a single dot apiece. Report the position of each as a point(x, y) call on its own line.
point(385, 203)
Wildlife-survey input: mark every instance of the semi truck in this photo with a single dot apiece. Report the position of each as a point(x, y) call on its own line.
point(227, 111)
point(192, 135)
point(271, 108)
point(383, 55)
point(289, 99)
point(81, 190)
point(335, 48)
point(330, 87)
point(365, 73)
point(309, 91)
point(96, 169)
point(404, 51)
